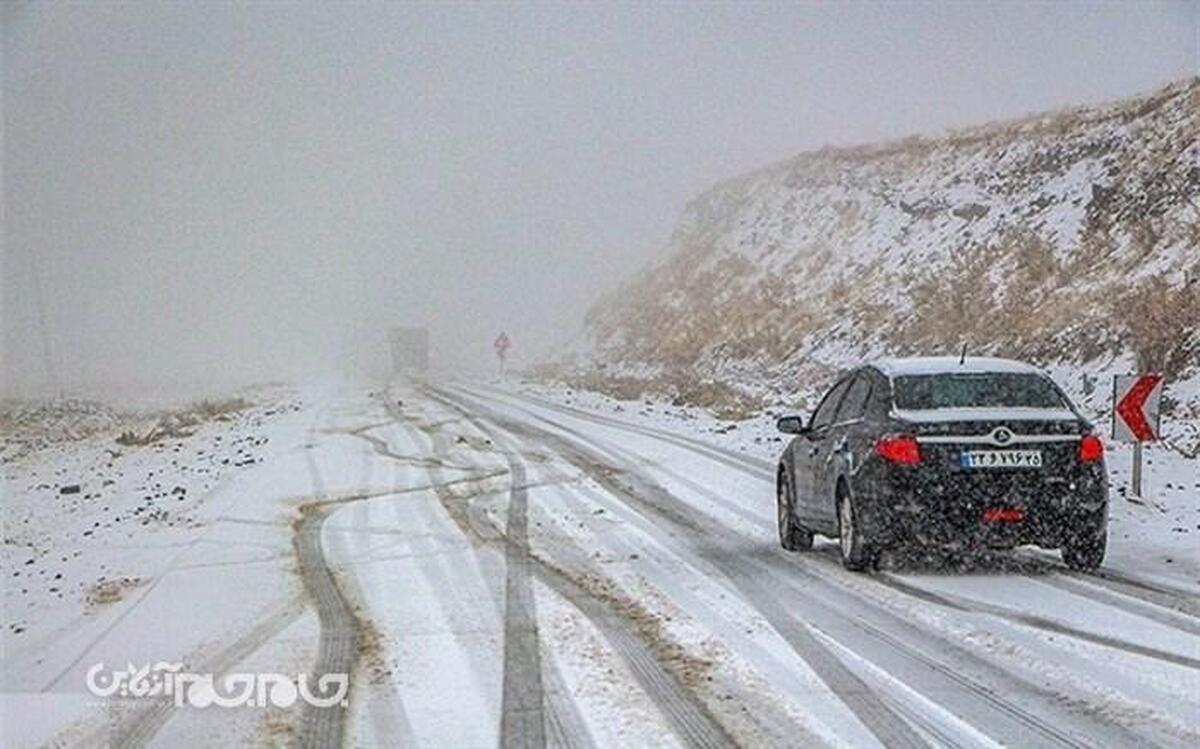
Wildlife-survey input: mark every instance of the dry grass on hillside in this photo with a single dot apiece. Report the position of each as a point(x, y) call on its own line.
point(182, 423)
point(1037, 239)
point(1162, 325)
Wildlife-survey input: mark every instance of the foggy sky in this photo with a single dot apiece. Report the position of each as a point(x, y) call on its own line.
point(199, 193)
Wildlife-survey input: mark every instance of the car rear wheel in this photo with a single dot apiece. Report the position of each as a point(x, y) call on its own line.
point(792, 536)
point(858, 555)
point(1086, 554)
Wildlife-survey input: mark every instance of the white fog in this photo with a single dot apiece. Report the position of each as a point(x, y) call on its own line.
point(606, 374)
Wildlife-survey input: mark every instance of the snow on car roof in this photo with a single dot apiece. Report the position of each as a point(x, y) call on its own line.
point(927, 365)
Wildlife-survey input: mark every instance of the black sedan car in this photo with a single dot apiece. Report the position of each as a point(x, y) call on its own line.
point(947, 452)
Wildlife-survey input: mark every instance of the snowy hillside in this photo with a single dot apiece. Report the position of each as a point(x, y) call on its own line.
point(1067, 239)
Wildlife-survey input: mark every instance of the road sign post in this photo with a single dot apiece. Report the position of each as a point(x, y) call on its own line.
point(501, 345)
point(1135, 476)
point(1135, 417)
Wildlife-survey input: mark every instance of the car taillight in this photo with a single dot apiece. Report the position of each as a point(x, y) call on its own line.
point(1091, 449)
point(899, 448)
point(1003, 515)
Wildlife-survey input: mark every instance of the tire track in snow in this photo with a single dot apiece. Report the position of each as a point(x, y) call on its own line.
point(763, 718)
point(714, 497)
point(320, 725)
point(990, 706)
point(340, 629)
point(522, 721)
point(138, 730)
point(691, 722)
point(565, 725)
point(888, 726)
point(522, 713)
point(1027, 688)
point(958, 603)
point(1023, 721)
point(1138, 606)
point(1177, 603)
point(993, 692)
point(1164, 596)
point(383, 705)
point(688, 717)
point(1016, 721)
point(748, 464)
point(337, 649)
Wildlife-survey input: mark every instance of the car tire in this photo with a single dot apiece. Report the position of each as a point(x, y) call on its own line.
point(858, 554)
point(792, 536)
point(1085, 555)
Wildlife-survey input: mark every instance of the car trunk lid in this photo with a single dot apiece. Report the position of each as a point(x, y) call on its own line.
point(1022, 458)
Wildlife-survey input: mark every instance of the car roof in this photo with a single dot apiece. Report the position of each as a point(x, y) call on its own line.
point(927, 365)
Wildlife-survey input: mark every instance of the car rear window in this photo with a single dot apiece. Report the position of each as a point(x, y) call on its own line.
point(988, 390)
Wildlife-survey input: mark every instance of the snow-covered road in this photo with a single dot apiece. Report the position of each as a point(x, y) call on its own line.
point(499, 568)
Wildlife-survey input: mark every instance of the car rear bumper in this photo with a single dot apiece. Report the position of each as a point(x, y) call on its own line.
point(951, 511)
point(1035, 523)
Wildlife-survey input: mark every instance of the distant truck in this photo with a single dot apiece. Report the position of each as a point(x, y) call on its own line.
point(410, 350)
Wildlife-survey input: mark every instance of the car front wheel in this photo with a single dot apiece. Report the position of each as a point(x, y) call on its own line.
point(792, 536)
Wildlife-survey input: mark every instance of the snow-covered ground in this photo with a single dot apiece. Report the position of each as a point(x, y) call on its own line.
point(123, 554)
point(526, 565)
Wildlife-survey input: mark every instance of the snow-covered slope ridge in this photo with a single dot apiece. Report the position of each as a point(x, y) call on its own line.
point(1068, 239)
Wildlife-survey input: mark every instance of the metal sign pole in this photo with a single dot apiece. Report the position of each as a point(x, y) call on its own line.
point(1137, 470)
point(501, 346)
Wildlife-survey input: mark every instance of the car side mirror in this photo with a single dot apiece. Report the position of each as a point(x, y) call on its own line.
point(791, 425)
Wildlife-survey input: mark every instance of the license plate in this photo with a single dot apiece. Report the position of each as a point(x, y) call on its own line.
point(1001, 459)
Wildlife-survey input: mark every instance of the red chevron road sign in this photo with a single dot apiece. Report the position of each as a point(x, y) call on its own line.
point(1135, 407)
